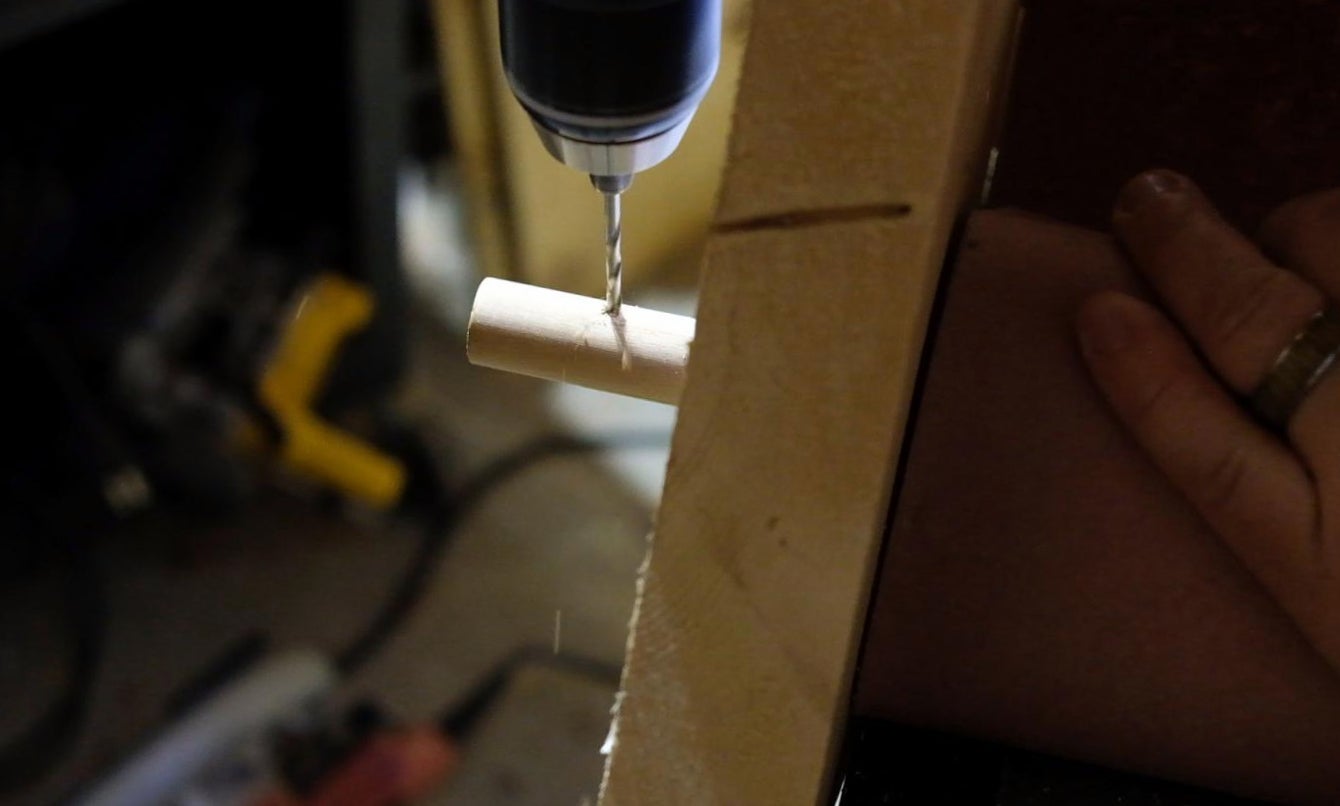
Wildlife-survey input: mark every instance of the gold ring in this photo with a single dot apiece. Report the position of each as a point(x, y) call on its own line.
point(1299, 368)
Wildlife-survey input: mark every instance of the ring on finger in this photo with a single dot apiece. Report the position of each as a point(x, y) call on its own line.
point(1299, 368)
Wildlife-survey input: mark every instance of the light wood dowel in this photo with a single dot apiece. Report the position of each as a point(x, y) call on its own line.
point(565, 337)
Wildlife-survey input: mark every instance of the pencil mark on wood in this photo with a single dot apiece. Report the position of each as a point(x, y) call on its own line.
point(815, 218)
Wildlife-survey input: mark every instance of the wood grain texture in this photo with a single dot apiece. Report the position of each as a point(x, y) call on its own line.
point(839, 108)
point(810, 329)
point(569, 338)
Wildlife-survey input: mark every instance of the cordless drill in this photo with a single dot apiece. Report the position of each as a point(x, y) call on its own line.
point(611, 86)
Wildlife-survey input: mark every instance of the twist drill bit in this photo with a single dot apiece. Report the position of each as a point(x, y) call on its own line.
point(613, 254)
point(611, 189)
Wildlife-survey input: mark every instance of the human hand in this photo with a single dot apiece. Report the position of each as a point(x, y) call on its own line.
point(1179, 380)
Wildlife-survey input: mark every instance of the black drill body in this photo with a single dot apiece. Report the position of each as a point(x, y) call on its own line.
point(610, 70)
point(611, 86)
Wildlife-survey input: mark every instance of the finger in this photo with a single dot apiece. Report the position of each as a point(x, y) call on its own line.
point(1238, 307)
point(1247, 485)
point(1304, 235)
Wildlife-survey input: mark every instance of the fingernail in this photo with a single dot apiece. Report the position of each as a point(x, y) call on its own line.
point(1147, 187)
point(1105, 328)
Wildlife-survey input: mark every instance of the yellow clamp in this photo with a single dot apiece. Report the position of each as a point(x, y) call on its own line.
point(328, 310)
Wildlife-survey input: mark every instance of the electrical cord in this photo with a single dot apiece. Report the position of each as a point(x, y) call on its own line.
point(443, 514)
point(45, 742)
point(56, 513)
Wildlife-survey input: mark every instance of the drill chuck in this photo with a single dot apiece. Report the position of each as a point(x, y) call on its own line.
point(611, 85)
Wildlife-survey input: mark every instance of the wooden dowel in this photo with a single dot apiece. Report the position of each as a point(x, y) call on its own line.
point(565, 337)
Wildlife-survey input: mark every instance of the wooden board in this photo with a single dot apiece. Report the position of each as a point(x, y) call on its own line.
point(859, 136)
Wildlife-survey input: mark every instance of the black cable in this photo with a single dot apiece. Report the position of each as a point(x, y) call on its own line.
point(102, 448)
point(444, 513)
point(56, 512)
point(47, 741)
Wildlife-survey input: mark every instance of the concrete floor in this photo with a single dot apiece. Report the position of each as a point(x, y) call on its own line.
point(565, 536)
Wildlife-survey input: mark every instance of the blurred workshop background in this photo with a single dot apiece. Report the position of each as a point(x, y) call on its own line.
point(267, 537)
